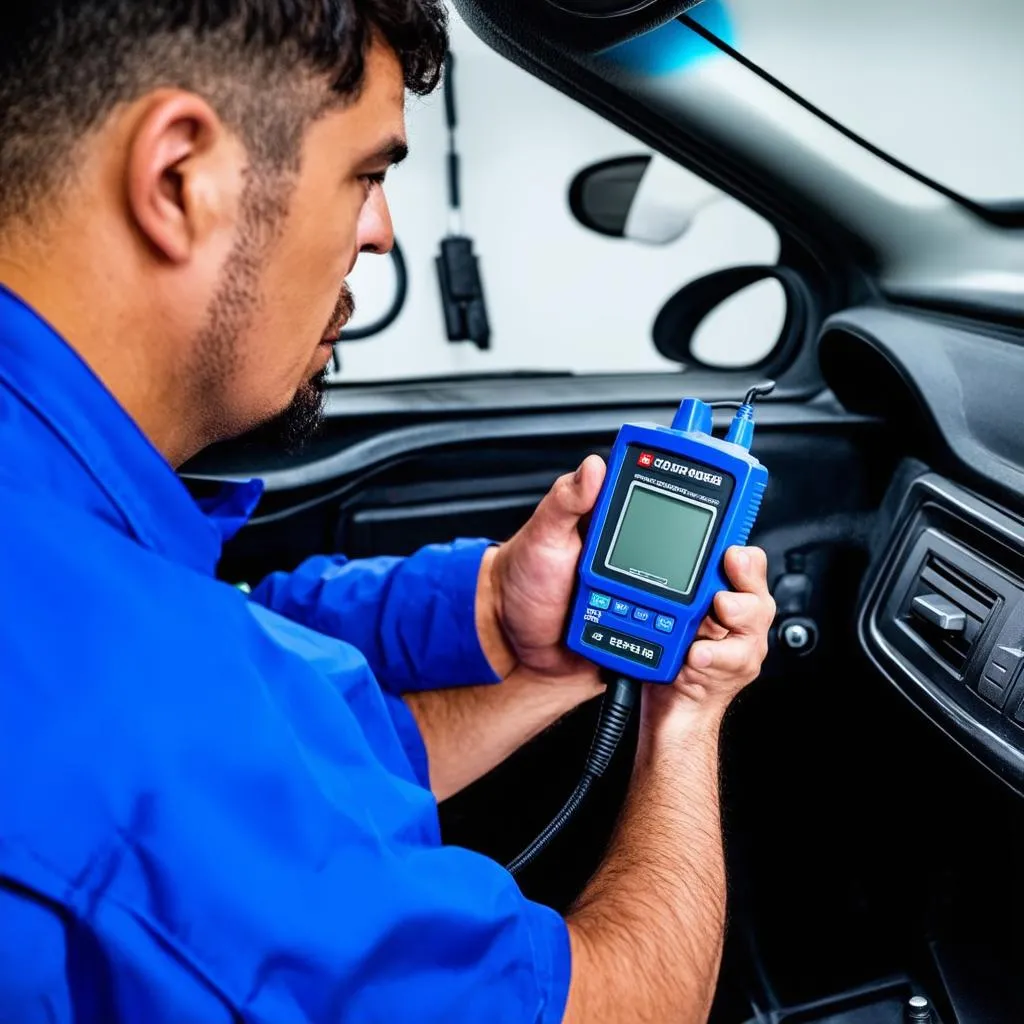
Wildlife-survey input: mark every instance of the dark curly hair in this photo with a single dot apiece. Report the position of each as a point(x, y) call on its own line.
point(269, 67)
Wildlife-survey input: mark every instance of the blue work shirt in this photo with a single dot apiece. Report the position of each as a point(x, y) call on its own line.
point(216, 808)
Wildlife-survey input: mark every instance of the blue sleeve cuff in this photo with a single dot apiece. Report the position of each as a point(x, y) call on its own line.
point(413, 619)
point(429, 629)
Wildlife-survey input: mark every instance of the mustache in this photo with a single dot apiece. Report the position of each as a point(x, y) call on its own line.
point(343, 312)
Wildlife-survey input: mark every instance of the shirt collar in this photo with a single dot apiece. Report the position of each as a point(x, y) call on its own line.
point(153, 503)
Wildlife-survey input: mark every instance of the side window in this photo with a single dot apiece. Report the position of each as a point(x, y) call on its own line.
point(560, 297)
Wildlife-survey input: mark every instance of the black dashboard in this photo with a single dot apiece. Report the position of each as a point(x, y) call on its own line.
point(941, 613)
point(943, 616)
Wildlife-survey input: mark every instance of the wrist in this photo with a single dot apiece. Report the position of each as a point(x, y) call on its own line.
point(570, 692)
point(493, 642)
point(670, 720)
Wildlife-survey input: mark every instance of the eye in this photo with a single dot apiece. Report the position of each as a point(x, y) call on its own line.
point(372, 181)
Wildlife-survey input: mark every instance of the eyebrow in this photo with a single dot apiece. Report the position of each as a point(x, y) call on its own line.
point(393, 152)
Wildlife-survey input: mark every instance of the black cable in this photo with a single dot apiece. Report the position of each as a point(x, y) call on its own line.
point(619, 699)
point(394, 310)
point(397, 304)
point(458, 268)
point(452, 122)
point(753, 394)
point(759, 391)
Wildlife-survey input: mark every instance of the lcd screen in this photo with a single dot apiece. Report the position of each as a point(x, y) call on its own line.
point(660, 538)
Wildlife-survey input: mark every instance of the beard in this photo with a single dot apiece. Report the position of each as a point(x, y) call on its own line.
point(292, 429)
point(231, 313)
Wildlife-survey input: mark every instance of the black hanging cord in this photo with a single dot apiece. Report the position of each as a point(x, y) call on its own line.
point(397, 305)
point(454, 166)
point(458, 268)
point(616, 708)
point(393, 311)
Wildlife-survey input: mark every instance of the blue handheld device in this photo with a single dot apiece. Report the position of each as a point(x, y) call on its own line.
point(675, 498)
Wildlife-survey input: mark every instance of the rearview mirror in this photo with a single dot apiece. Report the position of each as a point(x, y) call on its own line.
point(647, 199)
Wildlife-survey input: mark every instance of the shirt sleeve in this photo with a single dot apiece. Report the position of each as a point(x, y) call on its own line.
point(413, 619)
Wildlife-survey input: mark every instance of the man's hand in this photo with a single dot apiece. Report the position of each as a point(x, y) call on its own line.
point(731, 643)
point(527, 584)
point(522, 602)
point(531, 578)
point(648, 931)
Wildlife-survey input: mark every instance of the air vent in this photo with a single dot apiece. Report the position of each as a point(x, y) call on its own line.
point(947, 609)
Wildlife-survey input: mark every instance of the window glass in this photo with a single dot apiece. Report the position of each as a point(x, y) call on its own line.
point(936, 84)
point(560, 297)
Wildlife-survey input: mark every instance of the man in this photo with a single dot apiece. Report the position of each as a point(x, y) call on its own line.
point(217, 808)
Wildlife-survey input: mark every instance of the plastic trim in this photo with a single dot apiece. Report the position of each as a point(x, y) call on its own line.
point(405, 441)
point(994, 752)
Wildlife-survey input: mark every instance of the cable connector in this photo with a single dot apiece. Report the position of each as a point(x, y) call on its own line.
point(741, 430)
point(616, 709)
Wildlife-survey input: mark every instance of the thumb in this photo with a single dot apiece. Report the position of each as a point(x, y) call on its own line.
point(571, 498)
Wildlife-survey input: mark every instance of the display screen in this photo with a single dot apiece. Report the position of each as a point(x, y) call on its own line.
point(660, 538)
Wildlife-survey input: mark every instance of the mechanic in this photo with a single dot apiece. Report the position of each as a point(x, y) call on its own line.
point(218, 807)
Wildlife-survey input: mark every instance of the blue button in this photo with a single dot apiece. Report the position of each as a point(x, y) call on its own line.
point(641, 614)
point(665, 623)
point(600, 600)
point(620, 607)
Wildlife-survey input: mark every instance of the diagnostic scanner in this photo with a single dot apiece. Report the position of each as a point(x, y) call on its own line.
point(674, 499)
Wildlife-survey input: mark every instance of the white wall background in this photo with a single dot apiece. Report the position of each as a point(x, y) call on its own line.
point(559, 297)
point(938, 82)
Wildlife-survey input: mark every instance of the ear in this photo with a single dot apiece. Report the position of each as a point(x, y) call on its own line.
point(184, 173)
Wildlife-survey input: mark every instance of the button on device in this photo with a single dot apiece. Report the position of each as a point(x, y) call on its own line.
point(665, 623)
point(620, 607)
point(999, 674)
point(602, 601)
point(641, 614)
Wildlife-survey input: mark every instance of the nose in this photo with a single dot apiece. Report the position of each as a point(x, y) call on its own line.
point(375, 231)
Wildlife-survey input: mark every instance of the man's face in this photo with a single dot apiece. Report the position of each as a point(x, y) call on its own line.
point(281, 299)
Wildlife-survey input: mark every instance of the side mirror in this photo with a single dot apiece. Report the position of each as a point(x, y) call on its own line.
point(647, 199)
point(770, 325)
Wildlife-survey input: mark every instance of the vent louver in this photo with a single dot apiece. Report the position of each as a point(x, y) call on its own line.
point(948, 609)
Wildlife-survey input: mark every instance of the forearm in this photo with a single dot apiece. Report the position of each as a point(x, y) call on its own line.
point(647, 932)
point(469, 731)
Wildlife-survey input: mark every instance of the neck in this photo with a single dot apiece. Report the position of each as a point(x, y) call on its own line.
point(82, 305)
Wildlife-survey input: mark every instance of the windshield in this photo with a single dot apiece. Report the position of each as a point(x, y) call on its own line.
point(934, 84)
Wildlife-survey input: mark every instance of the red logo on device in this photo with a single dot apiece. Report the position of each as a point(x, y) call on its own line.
point(646, 459)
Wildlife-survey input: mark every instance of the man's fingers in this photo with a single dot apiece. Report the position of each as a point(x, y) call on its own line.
point(733, 641)
point(744, 614)
point(711, 629)
point(736, 656)
point(747, 569)
point(571, 498)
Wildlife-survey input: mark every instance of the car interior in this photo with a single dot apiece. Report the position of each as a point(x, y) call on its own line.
point(873, 776)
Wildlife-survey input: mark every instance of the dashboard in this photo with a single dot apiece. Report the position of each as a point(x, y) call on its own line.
point(943, 616)
point(941, 612)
